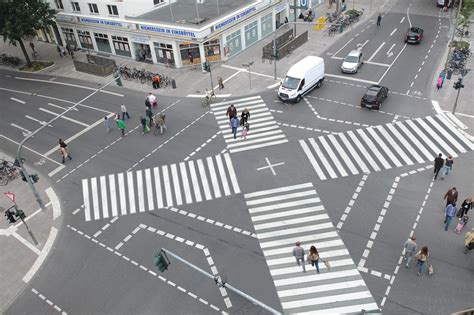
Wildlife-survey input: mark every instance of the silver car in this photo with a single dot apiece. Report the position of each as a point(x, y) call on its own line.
point(352, 62)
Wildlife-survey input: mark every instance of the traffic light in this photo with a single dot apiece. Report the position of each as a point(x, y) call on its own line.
point(23, 177)
point(206, 66)
point(161, 261)
point(9, 216)
point(34, 178)
point(458, 84)
point(117, 78)
point(20, 214)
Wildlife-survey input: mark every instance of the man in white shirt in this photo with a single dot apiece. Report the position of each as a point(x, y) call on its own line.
point(152, 99)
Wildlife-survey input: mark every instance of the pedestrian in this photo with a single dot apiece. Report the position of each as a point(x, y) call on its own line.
point(438, 164)
point(448, 166)
point(410, 248)
point(231, 111)
point(220, 82)
point(468, 241)
point(120, 124)
point(451, 196)
point(60, 51)
point(298, 252)
point(32, 47)
point(68, 48)
point(421, 258)
point(461, 223)
point(439, 83)
point(155, 81)
point(64, 150)
point(465, 207)
point(107, 124)
point(379, 19)
point(152, 99)
point(234, 123)
point(149, 115)
point(244, 116)
point(245, 130)
point(313, 257)
point(449, 213)
point(63, 51)
point(123, 108)
point(160, 122)
point(143, 122)
point(190, 57)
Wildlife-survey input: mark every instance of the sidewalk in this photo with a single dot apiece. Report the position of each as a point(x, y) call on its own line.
point(192, 81)
point(21, 258)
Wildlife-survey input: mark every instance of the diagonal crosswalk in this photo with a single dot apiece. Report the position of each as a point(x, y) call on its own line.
point(159, 187)
point(383, 147)
point(263, 129)
point(282, 216)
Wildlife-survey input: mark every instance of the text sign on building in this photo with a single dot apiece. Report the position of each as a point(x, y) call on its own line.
point(234, 18)
point(169, 31)
point(301, 4)
point(105, 22)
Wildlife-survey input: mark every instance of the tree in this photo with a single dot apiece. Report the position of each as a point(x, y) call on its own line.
point(20, 19)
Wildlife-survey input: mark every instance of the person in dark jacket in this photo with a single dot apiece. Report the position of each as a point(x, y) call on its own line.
point(449, 213)
point(448, 166)
point(438, 164)
point(244, 117)
point(451, 196)
point(465, 207)
point(64, 150)
point(231, 112)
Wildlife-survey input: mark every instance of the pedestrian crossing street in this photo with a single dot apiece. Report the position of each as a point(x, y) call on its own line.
point(263, 129)
point(159, 187)
point(284, 215)
point(385, 146)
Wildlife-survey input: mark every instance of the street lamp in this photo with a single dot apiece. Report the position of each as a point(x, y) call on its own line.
point(248, 65)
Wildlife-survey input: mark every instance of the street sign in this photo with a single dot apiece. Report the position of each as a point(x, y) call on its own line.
point(10, 196)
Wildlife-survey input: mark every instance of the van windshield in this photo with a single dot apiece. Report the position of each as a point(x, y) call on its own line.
point(291, 83)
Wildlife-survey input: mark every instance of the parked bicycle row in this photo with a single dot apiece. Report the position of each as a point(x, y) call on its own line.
point(8, 172)
point(143, 76)
point(10, 61)
point(458, 59)
point(340, 22)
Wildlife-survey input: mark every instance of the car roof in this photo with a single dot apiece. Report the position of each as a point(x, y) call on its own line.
point(375, 88)
point(415, 29)
point(354, 53)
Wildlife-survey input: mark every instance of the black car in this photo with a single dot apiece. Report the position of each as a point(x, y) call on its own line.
point(374, 96)
point(414, 35)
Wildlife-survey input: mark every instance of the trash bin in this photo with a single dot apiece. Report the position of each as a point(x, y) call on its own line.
point(449, 74)
point(173, 83)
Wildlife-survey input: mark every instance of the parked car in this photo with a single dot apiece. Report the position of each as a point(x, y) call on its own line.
point(414, 35)
point(374, 96)
point(352, 62)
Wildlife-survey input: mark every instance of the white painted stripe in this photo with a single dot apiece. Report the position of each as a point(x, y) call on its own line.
point(392, 142)
point(63, 117)
point(327, 299)
point(355, 308)
point(433, 134)
point(297, 269)
point(311, 192)
point(455, 120)
point(405, 143)
point(274, 134)
point(149, 190)
point(236, 101)
point(354, 153)
point(307, 238)
point(177, 188)
point(446, 134)
point(273, 85)
point(302, 229)
point(349, 78)
point(322, 288)
point(288, 249)
point(376, 51)
point(393, 32)
point(415, 141)
point(257, 146)
point(277, 190)
point(286, 213)
point(95, 198)
point(159, 194)
point(167, 184)
point(284, 205)
point(323, 159)
point(42, 256)
point(233, 177)
point(131, 193)
point(291, 259)
point(332, 156)
point(113, 195)
point(103, 194)
point(223, 176)
point(446, 123)
point(186, 187)
point(123, 200)
point(194, 179)
point(347, 43)
point(204, 182)
point(85, 197)
point(311, 278)
point(384, 147)
point(140, 192)
point(436, 107)
point(287, 222)
point(17, 100)
point(373, 148)
point(343, 154)
point(214, 181)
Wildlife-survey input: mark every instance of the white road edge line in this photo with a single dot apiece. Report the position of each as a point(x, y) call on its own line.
point(42, 256)
point(54, 202)
point(35, 152)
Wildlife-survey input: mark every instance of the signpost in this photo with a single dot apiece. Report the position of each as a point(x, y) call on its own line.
point(10, 196)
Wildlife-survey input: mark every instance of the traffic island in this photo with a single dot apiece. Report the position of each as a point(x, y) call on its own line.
point(36, 66)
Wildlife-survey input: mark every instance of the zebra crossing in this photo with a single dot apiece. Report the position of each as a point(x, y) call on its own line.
point(383, 147)
point(284, 215)
point(159, 187)
point(263, 132)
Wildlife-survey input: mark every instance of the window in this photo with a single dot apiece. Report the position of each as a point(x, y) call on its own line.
point(75, 6)
point(112, 9)
point(155, 2)
point(59, 4)
point(121, 46)
point(93, 8)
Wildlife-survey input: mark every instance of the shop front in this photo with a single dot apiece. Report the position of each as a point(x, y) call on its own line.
point(164, 54)
point(141, 48)
point(234, 43)
point(85, 39)
point(69, 38)
point(121, 46)
point(189, 53)
point(102, 41)
point(212, 49)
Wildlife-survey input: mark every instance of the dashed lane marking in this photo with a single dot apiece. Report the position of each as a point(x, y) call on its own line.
point(48, 301)
point(348, 209)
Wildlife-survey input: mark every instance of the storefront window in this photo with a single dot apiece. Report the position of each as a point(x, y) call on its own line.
point(234, 43)
point(102, 41)
point(251, 33)
point(189, 54)
point(213, 50)
point(85, 39)
point(68, 34)
point(164, 54)
point(121, 46)
point(267, 22)
point(142, 52)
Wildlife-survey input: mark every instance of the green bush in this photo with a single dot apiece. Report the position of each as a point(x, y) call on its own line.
point(36, 66)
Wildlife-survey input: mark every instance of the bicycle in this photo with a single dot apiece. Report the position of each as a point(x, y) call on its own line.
point(8, 172)
point(208, 99)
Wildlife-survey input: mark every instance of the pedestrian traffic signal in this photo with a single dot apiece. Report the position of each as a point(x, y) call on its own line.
point(34, 178)
point(20, 214)
point(161, 261)
point(458, 84)
point(206, 66)
point(9, 216)
point(117, 78)
point(23, 177)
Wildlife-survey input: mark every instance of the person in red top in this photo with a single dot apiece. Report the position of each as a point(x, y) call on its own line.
point(156, 81)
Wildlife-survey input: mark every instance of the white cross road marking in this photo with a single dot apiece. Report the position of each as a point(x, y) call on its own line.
point(270, 166)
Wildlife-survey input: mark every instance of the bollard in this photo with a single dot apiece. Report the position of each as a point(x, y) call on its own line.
point(173, 83)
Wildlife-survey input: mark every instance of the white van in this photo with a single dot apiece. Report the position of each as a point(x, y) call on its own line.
point(302, 78)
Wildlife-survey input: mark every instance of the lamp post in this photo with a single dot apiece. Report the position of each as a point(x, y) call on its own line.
point(248, 65)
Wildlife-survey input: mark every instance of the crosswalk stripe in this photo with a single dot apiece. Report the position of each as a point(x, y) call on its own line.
point(283, 205)
point(177, 188)
point(113, 195)
point(85, 197)
point(321, 288)
point(246, 143)
point(438, 139)
point(325, 244)
point(458, 134)
point(235, 101)
point(95, 198)
point(305, 229)
point(282, 197)
point(430, 145)
point(261, 118)
point(446, 135)
point(233, 177)
point(312, 160)
point(374, 149)
point(291, 260)
point(159, 195)
point(384, 147)
point(302, 239)
point(258, 108)
point(167, 183)
point(316, 277)
point(346, 309)
point(223, 176)
point(405, 143)
point(123, 199)
point(415, 141)
point(324, 161)
point(214, 181)
point(149, 189)
point(343, 154)
point(205, 183)
point(392, 142)
point(333, 157)
point(103, 195)
point(186, 188)
point(286, 222)
point(354, 153)
point(250, 137)
point(251, 147)
point(363, 150)
point(194, 179)
point(131, 193)
point(327, 299)
point(140, 191)
point(297, 269)
point(298, 211)
point(277, 190)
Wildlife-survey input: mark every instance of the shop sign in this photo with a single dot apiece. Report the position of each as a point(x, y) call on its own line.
point(174, 31)
point(65, 18)
point(140, 39)
point(280, 7)
point(105, 22)
point(234, 18)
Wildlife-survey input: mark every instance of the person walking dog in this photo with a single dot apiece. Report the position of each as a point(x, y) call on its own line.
point(313, 257)
point(421, 258)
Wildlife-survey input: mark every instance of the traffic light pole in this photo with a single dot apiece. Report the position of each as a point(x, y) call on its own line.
point(456, 101)
point(223, 284)
point(28, 137)
point(21, 215)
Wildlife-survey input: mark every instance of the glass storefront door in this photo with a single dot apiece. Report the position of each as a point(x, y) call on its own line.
point(234, 43)
point(102, 41)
